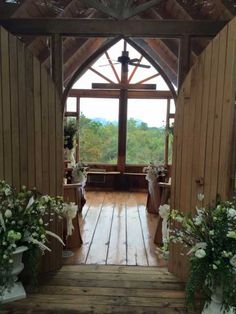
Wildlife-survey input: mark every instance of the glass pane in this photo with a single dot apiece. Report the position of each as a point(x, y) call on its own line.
point(146, 131)
point(98, 130)
point(71, 104)
point(172, 106)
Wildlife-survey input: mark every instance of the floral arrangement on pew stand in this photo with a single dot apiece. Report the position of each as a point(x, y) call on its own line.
point(22, 225)
point(79, 173)
point(211, 238)
point(154, 173)
point(164, 212)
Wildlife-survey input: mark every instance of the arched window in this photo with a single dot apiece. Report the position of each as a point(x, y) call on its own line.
point(125, 110)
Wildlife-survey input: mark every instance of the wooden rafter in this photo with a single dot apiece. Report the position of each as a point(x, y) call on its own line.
point(112, 66)
point(123, 86)
point(101, 75)
point(122, 9)
point(135, 69)
point(111, 28)
point(148, 78)
point(114, 93)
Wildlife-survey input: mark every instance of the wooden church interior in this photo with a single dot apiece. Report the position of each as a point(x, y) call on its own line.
point(46, 48)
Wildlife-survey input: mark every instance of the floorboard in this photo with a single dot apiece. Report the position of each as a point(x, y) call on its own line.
point(104, 289)
point(116, 230)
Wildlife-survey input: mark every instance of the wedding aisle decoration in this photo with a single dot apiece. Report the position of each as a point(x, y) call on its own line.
point(154, 173)
point(210, 241)
point(24, 220)
point(79, 173)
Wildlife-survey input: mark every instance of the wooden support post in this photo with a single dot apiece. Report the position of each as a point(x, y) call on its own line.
point(57, 62)
point(122, 129)
point(184, 58)
point(123, 102)
point(167, 133)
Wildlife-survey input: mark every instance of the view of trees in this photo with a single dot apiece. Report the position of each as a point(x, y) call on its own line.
point(99, 142)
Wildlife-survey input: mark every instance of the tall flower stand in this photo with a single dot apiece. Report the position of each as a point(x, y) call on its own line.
point(16, 292)
point(216, 303)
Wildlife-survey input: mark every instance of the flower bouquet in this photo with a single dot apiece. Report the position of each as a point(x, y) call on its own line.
point(155, 171)
point(22, 223)
point(210, 237)
point(79, 173)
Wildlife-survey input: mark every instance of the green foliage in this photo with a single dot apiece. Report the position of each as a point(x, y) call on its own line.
point(22, 224)
point(211, 237)
point(70, 131)
point(99, 142)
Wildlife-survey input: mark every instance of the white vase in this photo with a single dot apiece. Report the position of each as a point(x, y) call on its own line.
point(214, 307)
point(17, 291)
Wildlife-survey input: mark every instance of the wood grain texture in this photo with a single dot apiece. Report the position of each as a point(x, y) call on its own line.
point(31, 134)
point(203, 134)
point(105, 289)
point(116, 230)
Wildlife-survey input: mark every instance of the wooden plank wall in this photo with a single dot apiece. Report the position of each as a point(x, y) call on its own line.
point(31, 138)
point(203, 135)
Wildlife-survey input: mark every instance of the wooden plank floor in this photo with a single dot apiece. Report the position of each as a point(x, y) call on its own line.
point(104, 289)
point(116, 230)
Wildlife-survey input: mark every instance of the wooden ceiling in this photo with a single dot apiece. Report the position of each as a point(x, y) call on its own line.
point(77, 50)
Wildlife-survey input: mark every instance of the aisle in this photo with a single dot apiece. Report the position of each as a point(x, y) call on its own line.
point(116, 230)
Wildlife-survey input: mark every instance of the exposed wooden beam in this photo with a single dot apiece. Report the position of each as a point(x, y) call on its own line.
point(112, 66)
point(121, 9)
point(112, 28)
point(123, 86)
point(184, 59)
point(108, 93)
point(134, 70)
point(57, 62)
point(148, 78)
point(101, 75)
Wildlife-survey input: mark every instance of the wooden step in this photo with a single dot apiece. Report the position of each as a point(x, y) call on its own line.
point(104, 289)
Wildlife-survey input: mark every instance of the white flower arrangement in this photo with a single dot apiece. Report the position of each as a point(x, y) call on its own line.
point(79, 173)
point(22, 224)
point(69, 212)
point(154, 171)
point(211, 237)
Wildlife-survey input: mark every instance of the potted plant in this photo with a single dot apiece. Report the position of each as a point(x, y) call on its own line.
point(22, 227)
point(210, 237)
point(70, 132)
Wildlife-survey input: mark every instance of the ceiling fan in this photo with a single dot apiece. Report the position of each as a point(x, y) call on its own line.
point(124, 60)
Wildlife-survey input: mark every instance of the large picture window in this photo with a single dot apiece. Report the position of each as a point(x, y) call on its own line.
point(123, 117)
point(146, 130)
point(98, 130)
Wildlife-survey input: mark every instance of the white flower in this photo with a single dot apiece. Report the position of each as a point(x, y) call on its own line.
point(31, 201)
point(40, 221)
point(214, 266)
point(231, 213)
point(211, 232)
point(8, 213)
point(179, 219)
point(200, 253)
point(200, 197)
point(231, 234)
point(198, 246)
point(164, 211)
point(198, 220)
point(233, 261)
